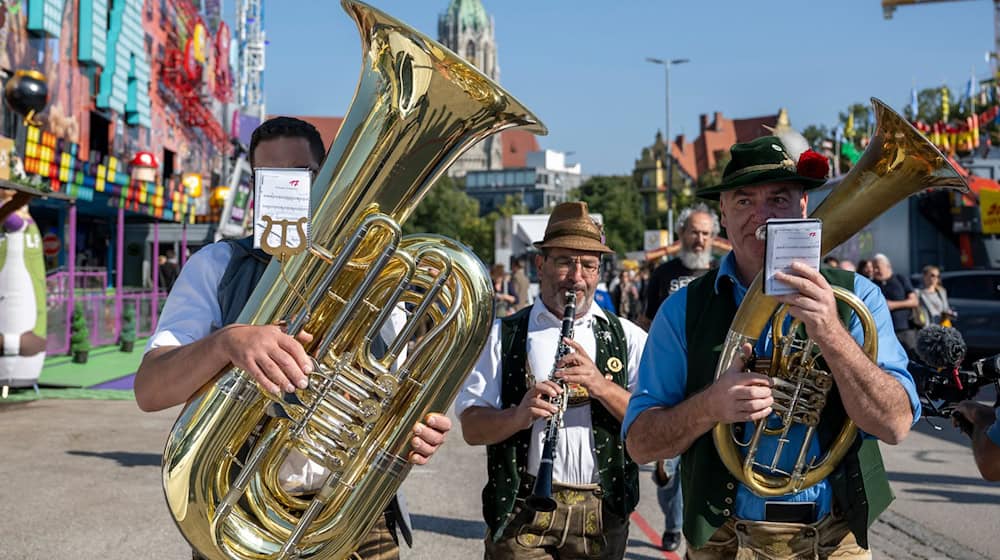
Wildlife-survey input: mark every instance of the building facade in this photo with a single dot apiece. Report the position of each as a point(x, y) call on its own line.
point(466, 29)
point(545, 181)
point(133, 132)
point(691, 160)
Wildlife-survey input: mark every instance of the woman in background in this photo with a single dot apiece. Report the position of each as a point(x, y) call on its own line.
point(934, 298)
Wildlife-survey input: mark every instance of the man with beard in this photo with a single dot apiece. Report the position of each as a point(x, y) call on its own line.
point(698, 226)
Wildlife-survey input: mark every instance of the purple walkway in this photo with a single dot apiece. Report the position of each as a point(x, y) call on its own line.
point(123, 383)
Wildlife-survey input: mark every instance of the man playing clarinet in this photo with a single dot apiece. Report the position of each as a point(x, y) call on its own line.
point(520, 382)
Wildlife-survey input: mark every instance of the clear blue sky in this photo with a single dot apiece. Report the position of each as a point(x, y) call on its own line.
point(580, 65)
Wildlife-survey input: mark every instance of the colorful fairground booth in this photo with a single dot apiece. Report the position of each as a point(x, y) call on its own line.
point(115, 109)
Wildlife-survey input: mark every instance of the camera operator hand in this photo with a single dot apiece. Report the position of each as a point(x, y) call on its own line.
point(985, 437)
point(979, 416)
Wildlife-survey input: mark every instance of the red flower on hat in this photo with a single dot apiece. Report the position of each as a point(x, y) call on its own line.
point(812, 165)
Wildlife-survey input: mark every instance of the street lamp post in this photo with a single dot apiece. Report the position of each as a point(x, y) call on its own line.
point(667, 63)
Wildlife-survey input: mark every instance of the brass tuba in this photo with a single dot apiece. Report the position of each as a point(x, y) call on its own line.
point(418, 106)
point(898, 162)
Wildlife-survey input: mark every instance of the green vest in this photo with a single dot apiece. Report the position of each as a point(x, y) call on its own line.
point(506, 461)
point(859, 484)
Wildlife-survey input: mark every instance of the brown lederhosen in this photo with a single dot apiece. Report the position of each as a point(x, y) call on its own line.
point(761, 540)
point(580, 527)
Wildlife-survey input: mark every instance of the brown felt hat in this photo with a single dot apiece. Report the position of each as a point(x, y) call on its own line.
point(571, 227)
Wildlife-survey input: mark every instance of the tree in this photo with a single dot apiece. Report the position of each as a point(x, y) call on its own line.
point(448, 211)
point(511, 205)
point(126, 338)
point(929, 106)
point(863, 123)
point(79, 338)
point(617, 200)
point(815, 134)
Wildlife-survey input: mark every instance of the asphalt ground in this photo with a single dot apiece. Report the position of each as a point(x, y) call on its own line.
point(81, 479)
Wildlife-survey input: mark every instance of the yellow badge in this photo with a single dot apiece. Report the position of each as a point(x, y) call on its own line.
point(614, 364)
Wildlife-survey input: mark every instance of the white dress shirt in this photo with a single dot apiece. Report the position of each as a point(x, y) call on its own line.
point(575, 459)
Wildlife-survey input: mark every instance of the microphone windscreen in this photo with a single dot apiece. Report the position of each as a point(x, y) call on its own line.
point(940, 347)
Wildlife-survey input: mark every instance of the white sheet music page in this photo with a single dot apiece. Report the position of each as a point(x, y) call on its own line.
point(788, 241)
point(283, 195)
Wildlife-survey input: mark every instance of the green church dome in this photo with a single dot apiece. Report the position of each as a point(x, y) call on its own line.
point(470, 14)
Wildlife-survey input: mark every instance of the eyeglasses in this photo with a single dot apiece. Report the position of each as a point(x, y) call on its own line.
point(565, 264)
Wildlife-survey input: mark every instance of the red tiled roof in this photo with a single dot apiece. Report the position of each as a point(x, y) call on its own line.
point(748, 129)
point(516, 145)
point(327, 126)
point(718, 137)
point(684, 155)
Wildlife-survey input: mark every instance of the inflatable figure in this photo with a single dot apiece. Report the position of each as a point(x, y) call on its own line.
point(22, 299)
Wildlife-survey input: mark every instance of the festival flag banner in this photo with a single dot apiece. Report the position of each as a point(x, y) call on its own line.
point(989, 207)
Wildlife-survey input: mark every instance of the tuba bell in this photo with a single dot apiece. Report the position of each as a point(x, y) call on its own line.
point(417, 107)
point(897, 163)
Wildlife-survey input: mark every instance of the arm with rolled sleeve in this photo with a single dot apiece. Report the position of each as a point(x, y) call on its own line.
point(659, 422)
point(478, 403)
point(182, 355)
point(881, 398)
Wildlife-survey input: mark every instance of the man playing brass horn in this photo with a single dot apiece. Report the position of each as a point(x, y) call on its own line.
point(678, 401)
point(505, 404)
point(197, 335)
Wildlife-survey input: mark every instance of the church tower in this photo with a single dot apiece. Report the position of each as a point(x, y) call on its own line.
point(466, 29)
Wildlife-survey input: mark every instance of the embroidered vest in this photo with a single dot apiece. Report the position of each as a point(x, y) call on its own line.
point(859, 484)
point(506, 461)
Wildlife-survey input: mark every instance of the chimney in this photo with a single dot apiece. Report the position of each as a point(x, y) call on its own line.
point(703, 122)
point(718, 120)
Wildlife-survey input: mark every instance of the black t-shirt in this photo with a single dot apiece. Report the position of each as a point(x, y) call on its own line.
point(897, 288)
point(665, 281)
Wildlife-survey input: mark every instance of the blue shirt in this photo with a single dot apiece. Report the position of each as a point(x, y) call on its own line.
point(663, 379)
point(993, 432)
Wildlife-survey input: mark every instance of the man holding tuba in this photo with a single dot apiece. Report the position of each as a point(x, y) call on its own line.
point(679, 401)
point(506, 402)
point(197, 336)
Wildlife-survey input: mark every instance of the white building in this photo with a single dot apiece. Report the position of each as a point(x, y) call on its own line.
point(545, 181)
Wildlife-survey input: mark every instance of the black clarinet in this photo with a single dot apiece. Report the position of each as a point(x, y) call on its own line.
point(541, 495)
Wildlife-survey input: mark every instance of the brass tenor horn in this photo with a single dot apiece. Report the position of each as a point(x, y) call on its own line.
point(418, 106)
point(898, 162)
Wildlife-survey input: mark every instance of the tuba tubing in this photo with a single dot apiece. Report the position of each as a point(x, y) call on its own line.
point(898, 162)
point(417, 107)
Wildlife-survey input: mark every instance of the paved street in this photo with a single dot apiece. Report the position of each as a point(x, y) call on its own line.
point(81, 479)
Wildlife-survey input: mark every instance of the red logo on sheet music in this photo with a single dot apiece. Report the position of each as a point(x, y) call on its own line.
point(294, 182)
point(812, 234)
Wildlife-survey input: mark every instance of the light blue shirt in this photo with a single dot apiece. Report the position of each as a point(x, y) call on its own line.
point(663, 379)
point(993, 432)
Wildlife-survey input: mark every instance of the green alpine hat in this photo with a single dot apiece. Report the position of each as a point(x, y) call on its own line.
point(765, 160)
